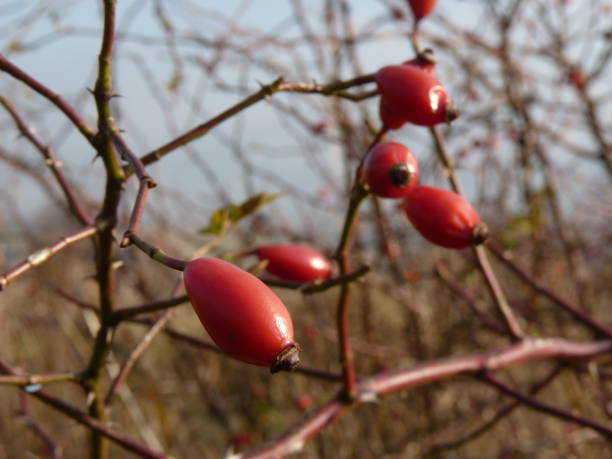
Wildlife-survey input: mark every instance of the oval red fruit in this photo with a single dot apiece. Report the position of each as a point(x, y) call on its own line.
point(391, 170)
point(413, 94)
point(421, 8)
point(242, 315)
point(444, 217)
point(295, 263)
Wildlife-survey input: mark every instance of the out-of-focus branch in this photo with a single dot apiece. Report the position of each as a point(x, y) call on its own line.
point(368, 390)
point(501, 414)
point(50, 159)
point(531, 402)
point(492, 282)
point(138, 351)
point(42, 255)
point(446, 277)
point(91, 423)
point(571, 308)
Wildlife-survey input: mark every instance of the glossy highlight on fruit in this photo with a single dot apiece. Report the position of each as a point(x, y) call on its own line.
point(444, 218)
point(242, 315)
point(421, 8)
point(295, 263)
point(391, 170)
point(413, 94)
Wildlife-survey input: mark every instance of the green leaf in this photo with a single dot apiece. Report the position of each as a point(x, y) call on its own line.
point(226, 217)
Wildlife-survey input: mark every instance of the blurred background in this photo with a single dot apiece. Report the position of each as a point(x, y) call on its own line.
point(532, 148)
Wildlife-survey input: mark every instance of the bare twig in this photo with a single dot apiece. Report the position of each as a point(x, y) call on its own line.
point(277, 85)
point(54, 164)
point(531, 402)
point(571, 308)
point(492, 282)
point(56, 99)
point(42, 255)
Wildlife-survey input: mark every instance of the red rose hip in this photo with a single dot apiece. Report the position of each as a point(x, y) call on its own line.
point(242, 315)
point(295, 263)
point(413, 94)
point(444, 217)
point(391, 170)
point(421, 8)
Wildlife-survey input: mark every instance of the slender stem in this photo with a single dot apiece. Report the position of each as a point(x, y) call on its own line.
point(342, 318)
point(318, 286)
point(30, 380)
point(571, 308)
point(358, 194)
point(131, 312)
point(56, 99)
point(531, 402)
point(42, 255)
point(484, 265)
point(444, 274)
point(144, 343)
point(156, 253)
point(277, 85)
point(55, 450)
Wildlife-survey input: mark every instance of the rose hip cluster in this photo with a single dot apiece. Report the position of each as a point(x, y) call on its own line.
point(441, 216)
point(412, 93)
point(244, 317)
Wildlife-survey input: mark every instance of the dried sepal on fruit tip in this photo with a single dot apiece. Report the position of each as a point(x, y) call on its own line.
point(480, 233)
point(287, 359)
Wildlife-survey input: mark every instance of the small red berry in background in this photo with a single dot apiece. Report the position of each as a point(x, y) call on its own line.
point(444, 218)
point(392, 249)
point(295, 263)
point(421, 8)
point(242, 315)
point(577, 79)
point(414, 95)
point(242, 441)
point(320, 128)
point(305, 401)
point(391, 170)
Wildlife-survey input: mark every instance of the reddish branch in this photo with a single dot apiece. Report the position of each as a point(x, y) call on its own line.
point(368, 390)
point(56, 99)
point(358, 194)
